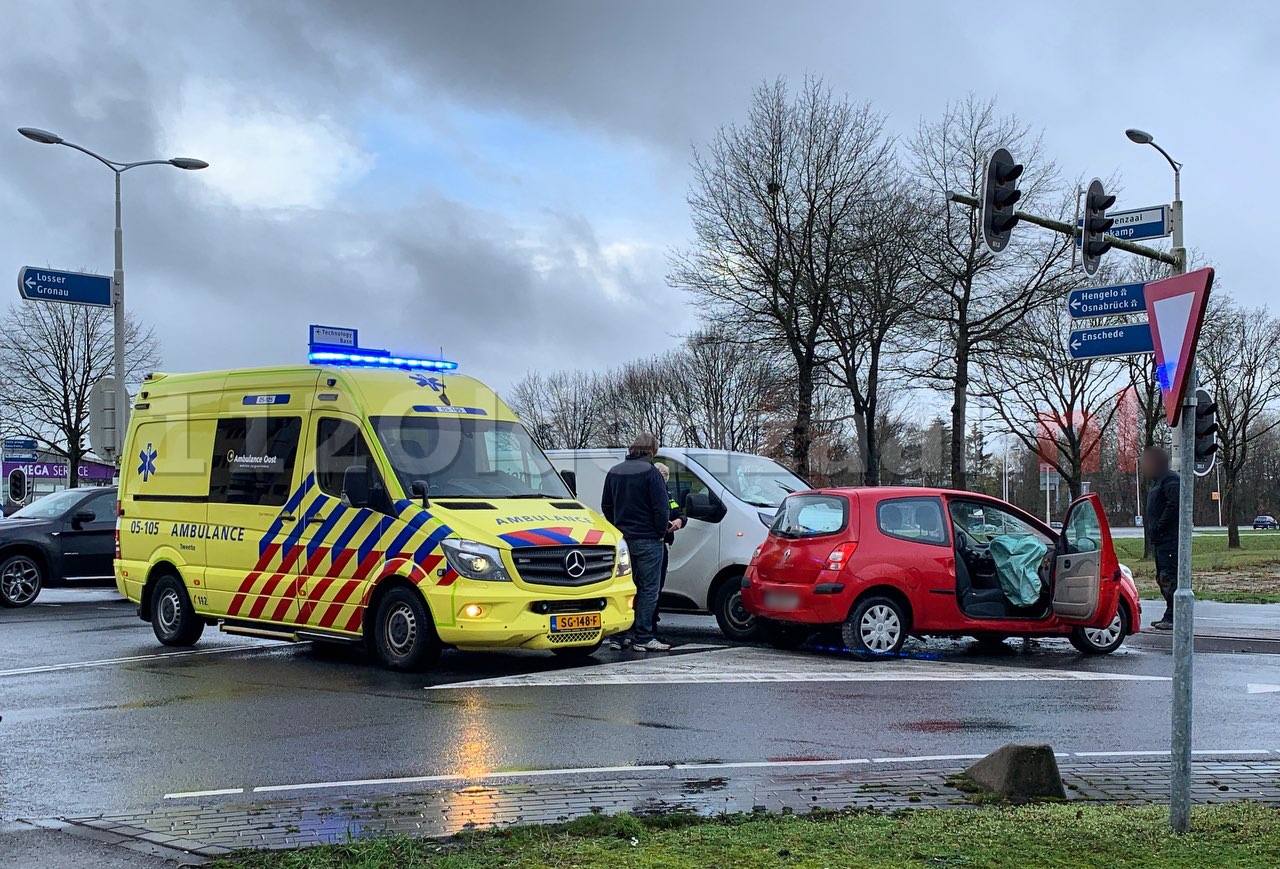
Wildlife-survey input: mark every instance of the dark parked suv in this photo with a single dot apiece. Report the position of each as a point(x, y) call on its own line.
point(1264, 521)
point(66, 535)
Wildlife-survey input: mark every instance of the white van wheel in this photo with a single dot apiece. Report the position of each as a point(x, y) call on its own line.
point(730, 612)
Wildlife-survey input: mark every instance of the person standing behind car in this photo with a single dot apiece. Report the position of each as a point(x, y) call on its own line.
point(635, 502)
point(675, 521)
point(1160, 524)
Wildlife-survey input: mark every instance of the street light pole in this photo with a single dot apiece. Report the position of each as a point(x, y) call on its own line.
point(1184, 437)
point(44, 137)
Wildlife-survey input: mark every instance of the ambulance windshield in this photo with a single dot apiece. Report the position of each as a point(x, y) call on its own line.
point(467, 458)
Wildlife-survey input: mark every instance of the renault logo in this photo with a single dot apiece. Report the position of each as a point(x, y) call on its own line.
point(575, 563)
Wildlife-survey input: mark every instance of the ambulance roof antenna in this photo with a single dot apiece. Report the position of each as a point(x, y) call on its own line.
point(444, 396)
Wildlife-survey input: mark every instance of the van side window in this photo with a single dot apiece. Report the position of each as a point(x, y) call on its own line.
point(253, 460)
point(682, 481)
point(340, 446)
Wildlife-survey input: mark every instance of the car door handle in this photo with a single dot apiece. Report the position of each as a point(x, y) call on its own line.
point(288, 517)
point(316, 520)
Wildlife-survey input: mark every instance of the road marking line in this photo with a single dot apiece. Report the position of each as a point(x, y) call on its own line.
point(106, 662)
point(1256, 688)
point(745, 665)
point(459, 778)
point(928, 757)
point(761, 764)
point(224, 792)
point(455, 777)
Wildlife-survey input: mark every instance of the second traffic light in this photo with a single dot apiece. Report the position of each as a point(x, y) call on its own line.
point(999, 194)
point(1206, 445)
point(1095, 225)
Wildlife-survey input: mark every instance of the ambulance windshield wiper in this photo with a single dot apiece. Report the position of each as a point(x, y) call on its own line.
point(531, 495)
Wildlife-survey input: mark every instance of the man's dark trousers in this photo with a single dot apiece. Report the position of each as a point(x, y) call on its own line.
point(646, 571)
point(1166, 556)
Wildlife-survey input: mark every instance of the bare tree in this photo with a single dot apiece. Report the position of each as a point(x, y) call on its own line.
point(879, 296)
point(49, 363)
point(977, 298)
point(1036, 379)
point(725, 393)
point(772, 203)
point(561, 411)
point(1237, 363)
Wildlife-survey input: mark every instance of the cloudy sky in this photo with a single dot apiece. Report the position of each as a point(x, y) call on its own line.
point(506, 179)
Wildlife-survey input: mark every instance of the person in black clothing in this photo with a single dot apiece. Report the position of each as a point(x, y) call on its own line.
point(635, 502)
point(675, 521)
point(1160, 525)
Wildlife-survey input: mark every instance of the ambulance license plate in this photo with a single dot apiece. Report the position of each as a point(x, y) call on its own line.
point(575, 622)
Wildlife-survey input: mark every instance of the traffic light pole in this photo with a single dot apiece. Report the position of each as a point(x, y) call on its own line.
point(1184, 599)
point(1184, 436)
point(1070, 229)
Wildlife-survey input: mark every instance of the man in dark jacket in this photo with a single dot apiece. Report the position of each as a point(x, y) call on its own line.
point(635, 502)
point(1160, 524)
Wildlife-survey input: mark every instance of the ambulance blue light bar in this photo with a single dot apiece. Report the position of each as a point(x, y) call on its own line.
point(361, 358)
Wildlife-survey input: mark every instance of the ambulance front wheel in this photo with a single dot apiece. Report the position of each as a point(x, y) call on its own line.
point(404, 636)
point(172, 617)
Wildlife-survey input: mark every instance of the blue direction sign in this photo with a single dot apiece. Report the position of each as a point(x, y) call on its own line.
point(1140, 223)
point(1105, 301)
point(76, 288)
point(1125, 340)
point(19, 443)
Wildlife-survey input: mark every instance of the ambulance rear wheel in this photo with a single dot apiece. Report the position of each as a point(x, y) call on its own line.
point(404, 636)
point(173, 618)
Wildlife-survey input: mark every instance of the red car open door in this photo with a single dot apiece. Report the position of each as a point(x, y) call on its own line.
point(1086, 573)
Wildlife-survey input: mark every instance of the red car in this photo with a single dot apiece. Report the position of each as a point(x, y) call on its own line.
point(888, 563)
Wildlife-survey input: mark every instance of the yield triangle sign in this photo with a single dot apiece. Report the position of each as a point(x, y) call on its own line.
point(1175, 307)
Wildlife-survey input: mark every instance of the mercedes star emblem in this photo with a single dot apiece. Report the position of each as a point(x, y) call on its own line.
point(575, 563)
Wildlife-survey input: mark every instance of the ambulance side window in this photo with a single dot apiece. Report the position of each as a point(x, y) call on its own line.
point(253, 460)
point(340, 446)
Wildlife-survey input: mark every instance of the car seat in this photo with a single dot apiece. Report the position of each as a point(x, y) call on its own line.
point(978, 603)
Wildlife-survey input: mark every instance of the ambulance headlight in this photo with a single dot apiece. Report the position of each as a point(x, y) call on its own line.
point(475, 560)
point(624, 559)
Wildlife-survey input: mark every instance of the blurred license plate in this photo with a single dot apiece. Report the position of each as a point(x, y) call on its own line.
point(575, 622)
point(781, 601)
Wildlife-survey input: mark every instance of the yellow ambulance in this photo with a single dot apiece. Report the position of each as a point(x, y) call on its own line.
point(408, 510)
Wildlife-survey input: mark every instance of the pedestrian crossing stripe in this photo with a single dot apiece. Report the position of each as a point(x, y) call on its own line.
point(765, 666)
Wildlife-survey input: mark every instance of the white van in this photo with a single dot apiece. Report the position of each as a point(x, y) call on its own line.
point(730, 499)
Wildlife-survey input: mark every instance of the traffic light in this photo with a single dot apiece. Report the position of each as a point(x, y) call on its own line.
point(18, 486)
point(999, 194)
point(1206, 445)
point(1096, 224)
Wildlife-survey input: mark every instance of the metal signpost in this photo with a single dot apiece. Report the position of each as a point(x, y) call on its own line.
point(1176, 373)
point(75, 288)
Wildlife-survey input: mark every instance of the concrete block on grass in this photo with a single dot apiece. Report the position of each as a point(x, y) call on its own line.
point(1019, 772)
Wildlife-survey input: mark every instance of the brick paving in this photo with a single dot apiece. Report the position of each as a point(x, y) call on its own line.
point(318, 819)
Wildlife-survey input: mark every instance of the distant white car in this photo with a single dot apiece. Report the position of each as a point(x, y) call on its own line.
point(730, 499)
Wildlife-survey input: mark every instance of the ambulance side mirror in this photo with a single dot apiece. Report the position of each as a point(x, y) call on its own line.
point(571, 480)
point(355, 485)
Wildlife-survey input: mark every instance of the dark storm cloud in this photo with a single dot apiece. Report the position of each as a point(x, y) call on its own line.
point(228, 280)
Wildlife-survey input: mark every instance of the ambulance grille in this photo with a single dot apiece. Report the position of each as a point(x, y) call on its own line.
point(574, 637)
point(545, 565)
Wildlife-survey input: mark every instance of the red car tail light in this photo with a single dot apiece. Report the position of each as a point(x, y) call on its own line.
point(839, 556)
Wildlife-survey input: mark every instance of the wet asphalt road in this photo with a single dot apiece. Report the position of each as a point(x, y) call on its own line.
point(84, 731)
